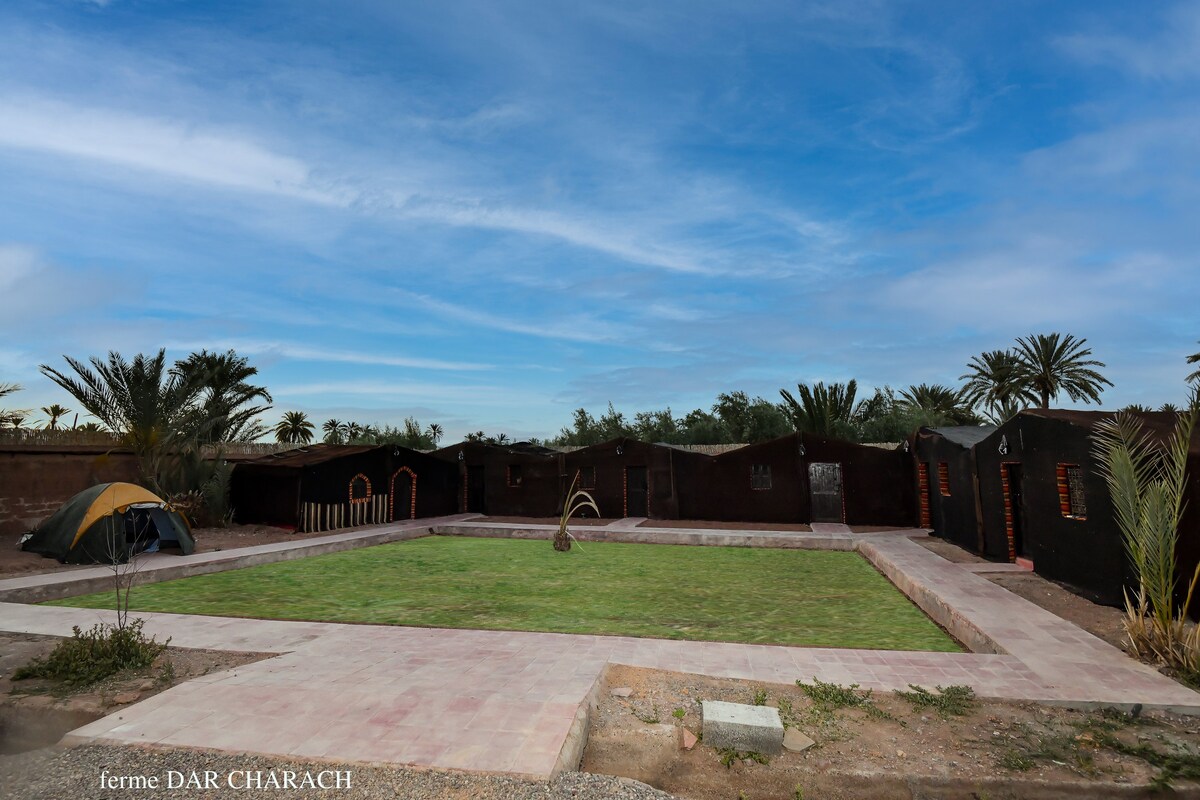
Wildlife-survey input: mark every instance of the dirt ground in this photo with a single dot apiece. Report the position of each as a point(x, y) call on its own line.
point(948, 550)
point(36, 712)
point(14, 561)
point(889, 751)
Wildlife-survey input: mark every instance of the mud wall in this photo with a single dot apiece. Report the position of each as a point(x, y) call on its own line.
point(36, 480)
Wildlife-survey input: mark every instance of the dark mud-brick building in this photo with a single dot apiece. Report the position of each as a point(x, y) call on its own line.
point(946, 488)
point(630, 478)
point(803, 478)
point(757, 483)
point(520, 480)
point(1043, 498)
point(35, 479)
point(325, 487)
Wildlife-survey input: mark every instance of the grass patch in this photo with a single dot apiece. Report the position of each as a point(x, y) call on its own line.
point(735, 594)
point(948, 701)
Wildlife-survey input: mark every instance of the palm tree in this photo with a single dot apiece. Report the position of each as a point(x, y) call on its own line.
point(334, 430)
point(938, 400)
point(434, 432)
point(152, 408)
point(7, 417)
point(55, 412)
point(1053, 364)
point(827, 411)
point(996, 384)
point(226, 396)
point(353, 430)
point(1194, 358)
point(91, 427)
point(294, 428)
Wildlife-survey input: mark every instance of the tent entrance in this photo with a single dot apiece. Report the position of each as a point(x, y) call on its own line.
point(148, 529)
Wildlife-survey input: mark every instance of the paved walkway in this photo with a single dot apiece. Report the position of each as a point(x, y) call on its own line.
point(516, 702)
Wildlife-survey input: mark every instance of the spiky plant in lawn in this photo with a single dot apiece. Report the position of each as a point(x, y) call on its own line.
point(577, 500)
point(1147, 481)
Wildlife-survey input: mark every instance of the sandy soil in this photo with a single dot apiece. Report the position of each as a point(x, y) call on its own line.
point(858, 754)
point(43, 710)
point(948, 550)
point(14, 561)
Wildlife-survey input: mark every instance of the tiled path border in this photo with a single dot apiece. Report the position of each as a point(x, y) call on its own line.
point(517, 702)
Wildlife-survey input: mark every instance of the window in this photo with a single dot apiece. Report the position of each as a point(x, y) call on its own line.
point(923, 486)
point(360, 489)
point(1071, 499)
point(587, 477)
point(514, 475)
point(944, 478)
point(760, 476)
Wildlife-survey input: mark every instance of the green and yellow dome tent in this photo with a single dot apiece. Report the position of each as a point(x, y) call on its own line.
point(109, 523)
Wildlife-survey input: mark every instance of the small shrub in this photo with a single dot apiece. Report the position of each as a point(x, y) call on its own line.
point(650, 718)
point(679, 713)
point(948, 701)
point(729, 755)
point(828, 697)
point(1016, 761)
point(760, 697)
point(167, 675)
point(93, 655)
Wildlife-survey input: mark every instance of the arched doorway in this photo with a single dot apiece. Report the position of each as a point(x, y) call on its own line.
point(402, 495)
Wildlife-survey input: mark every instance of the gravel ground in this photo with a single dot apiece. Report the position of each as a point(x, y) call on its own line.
point(53, 774)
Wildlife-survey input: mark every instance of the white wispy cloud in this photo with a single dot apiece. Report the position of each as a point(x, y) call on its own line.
point(1172, 54)
point(302, 352)
point(580, 328)
point(166, 147)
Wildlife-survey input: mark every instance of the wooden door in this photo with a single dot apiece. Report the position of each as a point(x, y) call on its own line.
point(637, 494)
point(476, 490)
point(825, 488)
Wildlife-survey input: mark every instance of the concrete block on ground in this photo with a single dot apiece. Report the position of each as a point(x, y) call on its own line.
point(741, 727)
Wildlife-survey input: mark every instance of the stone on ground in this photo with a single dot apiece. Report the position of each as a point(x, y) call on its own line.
point(622, 691)
point(796, 741)
point(687, 739)
point(735, 726)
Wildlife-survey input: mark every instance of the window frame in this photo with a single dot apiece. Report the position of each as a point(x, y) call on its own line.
point(760, 474)
point(514, 482)
point(1071, 491)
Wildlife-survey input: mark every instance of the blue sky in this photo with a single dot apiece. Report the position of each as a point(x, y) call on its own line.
point(488, 214)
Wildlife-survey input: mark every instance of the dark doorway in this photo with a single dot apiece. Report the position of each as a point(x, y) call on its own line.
point(926, 499)
point(825, 487)
point(476, 490)
point(1013, 510)
point(403, 505)
point(637, 495)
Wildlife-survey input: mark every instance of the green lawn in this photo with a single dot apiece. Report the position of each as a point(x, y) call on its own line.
point(735, 594)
